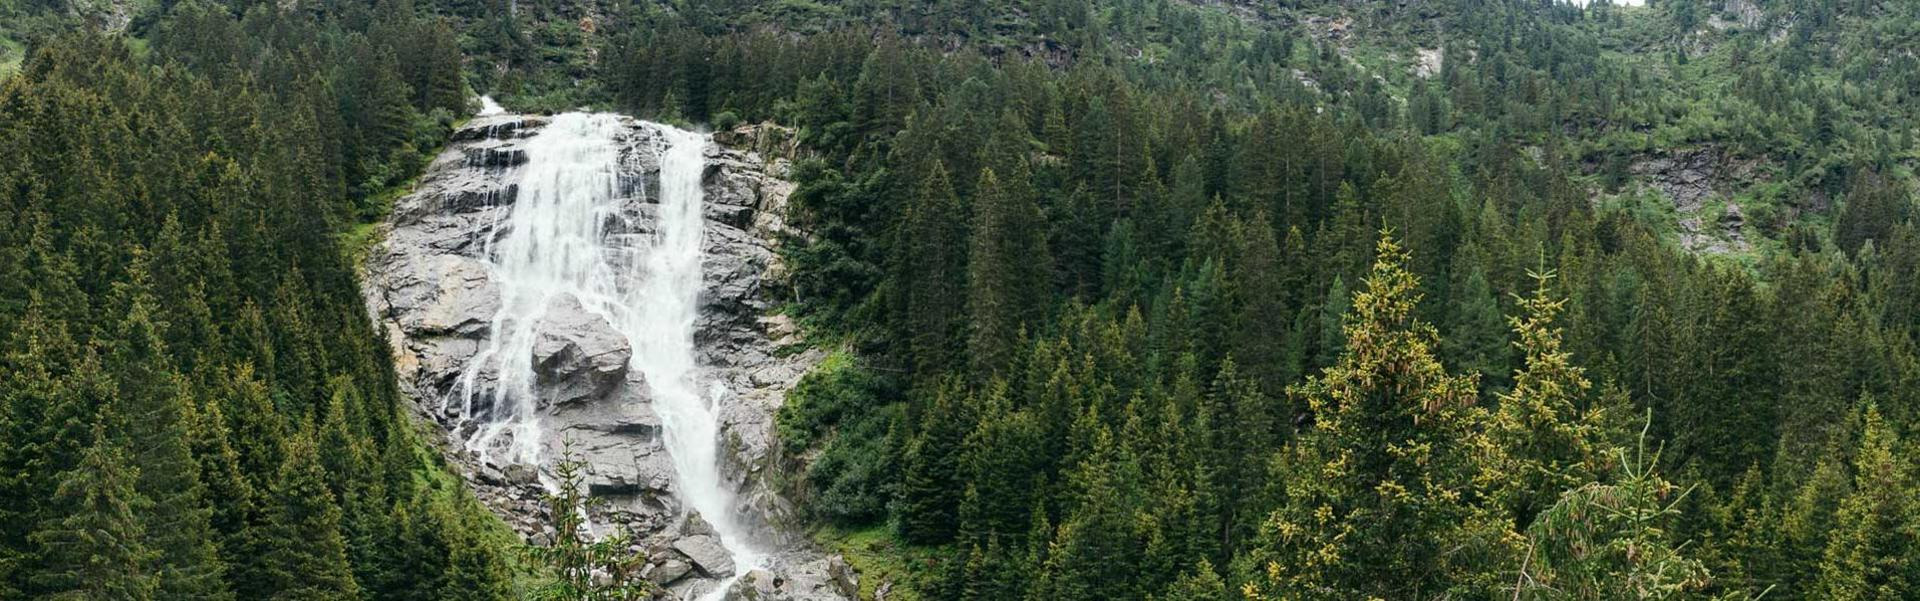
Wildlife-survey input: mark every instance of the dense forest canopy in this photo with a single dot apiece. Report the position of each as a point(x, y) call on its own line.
point(1309, 299)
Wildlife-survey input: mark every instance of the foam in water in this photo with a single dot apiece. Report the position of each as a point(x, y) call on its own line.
point(647, 288)
point(489, 108)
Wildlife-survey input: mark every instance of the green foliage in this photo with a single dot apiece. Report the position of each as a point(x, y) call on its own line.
point(1400, 520)
point(1611, 541)
point(1078, 255)
point(584, 568)
point(173, 281)
point(97, 549)
point(841, 408)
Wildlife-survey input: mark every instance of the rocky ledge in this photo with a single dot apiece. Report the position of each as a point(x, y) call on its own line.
point(431, 291)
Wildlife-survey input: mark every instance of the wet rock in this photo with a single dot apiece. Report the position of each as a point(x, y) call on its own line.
point(521, 474)
point(499, 127)
point(706, 553)
point(820, 579)
point(441, 295)
point(667, 571)
point(495, 154)
point(576, 354)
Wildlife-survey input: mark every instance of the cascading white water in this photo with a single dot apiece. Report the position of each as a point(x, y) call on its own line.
point(647, 287)
point(554, 246)
point(664, 351)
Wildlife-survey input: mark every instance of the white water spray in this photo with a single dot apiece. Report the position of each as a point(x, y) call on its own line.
point(489, 108)
point(554, 246)
point(647, 287)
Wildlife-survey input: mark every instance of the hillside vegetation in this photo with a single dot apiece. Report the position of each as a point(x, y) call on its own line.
point(1145, 299)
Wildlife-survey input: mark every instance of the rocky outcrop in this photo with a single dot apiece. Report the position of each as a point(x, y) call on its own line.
point(1697, 183)
point(821, 579)
point(576, 354)
point(430, 288)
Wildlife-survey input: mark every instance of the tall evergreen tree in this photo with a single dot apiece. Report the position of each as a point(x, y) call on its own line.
point(301, 546)
point(1007, 269)
point(160, 417)
point(930, 271)
point(1379, 497)
point(1546, 432)
point(96, 550)
point(1873, 554)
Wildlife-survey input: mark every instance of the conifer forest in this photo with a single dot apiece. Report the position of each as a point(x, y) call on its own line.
point(959, 300)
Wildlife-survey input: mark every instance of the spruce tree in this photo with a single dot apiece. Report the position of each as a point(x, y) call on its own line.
point(301, 547)
point(928, 508)
point(1199, 583)
point(1875, 552)
point(1476, 338)
point(95, 550)
point(1546, 436)
point(160, 415)
point(1607, 541)
point(1007, 271)
point(1379, 496)
point(930, 272)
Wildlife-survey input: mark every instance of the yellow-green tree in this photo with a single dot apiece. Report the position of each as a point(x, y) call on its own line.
point(1871, 555)
point(1545, 436)
point(1379, 495)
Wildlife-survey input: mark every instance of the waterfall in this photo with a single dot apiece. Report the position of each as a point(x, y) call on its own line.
point(557, 242)
point(664, 351)
point(554, 245)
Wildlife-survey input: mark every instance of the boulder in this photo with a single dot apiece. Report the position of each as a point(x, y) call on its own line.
point(668, 571)
point(706, 553)
point(794, 579)
point(576, 354)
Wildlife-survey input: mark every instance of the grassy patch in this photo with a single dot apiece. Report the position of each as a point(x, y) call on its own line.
point(12, 54)
point(357, 239)
point(880, 557)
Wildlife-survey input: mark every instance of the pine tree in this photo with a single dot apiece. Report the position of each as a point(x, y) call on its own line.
point(930, 271)
point(1476, 339)
point(1260, 335)
point(176, 516)
point(1000, 462)
point(477, 572)
point(1610, 541)
point(928, 509)
point(1199, 583)
point(1007, 270)
point(1096, 552)
point(96, 550)
point(1545, 435)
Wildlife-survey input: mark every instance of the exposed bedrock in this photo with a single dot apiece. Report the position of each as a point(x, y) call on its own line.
point(431, 288)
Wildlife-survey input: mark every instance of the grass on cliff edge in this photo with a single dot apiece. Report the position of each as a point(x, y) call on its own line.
point(880, 557)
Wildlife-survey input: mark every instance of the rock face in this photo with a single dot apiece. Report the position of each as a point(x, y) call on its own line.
point(430, 288)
